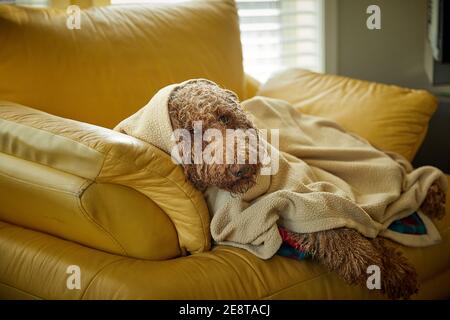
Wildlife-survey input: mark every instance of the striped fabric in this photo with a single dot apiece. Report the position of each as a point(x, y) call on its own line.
point(408, 225)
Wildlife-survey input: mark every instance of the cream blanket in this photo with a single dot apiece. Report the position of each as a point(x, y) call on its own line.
point(327, 178)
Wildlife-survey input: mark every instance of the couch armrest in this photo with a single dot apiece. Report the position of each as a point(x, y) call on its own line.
point(96, 186)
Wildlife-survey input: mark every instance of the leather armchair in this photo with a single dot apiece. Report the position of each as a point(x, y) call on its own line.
point(74, 192)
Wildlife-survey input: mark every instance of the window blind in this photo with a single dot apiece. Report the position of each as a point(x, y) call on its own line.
point(137, 2)
point(33, 3)
point(278, 34)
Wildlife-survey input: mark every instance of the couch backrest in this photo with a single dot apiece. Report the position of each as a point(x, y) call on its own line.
point(118, 59)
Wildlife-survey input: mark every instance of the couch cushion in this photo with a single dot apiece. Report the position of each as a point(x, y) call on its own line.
point(390, 117)
point(120, 57)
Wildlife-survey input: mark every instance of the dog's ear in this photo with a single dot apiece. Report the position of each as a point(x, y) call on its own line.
point(191, 174)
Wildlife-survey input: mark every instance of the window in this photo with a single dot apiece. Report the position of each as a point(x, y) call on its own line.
point(276, 34)
point(33, 3)
point(128, 2)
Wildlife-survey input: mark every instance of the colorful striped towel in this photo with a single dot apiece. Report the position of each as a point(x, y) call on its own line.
point(411, 224)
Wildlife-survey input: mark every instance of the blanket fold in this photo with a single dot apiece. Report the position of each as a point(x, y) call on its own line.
point(327, 178)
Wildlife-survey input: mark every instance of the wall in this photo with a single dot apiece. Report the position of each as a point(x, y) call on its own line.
point(394, 54)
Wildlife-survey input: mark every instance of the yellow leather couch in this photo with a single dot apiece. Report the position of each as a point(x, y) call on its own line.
point(74, 192)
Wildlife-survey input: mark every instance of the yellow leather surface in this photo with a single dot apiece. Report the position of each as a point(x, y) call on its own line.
point(109, 217)
point(140, 226)
point(48, 149)
point(149, 187)
point(390, 117)
point(63, 4)
point(36, 264)
point(252, 86)
point(118, 59)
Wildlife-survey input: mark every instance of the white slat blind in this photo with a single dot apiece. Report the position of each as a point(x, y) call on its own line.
point(278, 34)
point(137, 2)
point(33, 3)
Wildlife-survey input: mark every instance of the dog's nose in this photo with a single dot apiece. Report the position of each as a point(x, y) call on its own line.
point(241, 171)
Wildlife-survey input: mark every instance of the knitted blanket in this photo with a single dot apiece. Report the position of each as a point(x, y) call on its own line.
point(326, 178)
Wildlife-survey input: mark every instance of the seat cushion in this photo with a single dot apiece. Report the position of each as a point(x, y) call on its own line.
point(34, 265)
point(118, 59)
point(390, 117)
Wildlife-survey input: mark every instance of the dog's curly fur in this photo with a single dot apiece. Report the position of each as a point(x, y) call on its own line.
point(347, 253)
point(216, 108)
point(434, 203)
point(343, 250)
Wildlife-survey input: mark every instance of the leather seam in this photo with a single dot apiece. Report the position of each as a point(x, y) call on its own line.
point(25, 291)
point(45, 187)
point(153, 171)
point(251, 267)
point(78, 194)
point(99, 226)
point(5, 225)
point(296, 284)
point(97, 274)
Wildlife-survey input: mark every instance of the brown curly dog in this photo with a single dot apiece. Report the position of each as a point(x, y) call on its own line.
point(215, 108)
point(344, 251)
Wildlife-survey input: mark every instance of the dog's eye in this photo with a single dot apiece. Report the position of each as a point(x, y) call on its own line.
point(224, 119)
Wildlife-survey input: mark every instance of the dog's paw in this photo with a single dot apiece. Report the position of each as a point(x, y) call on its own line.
point(398, 277)
point(434, 203)
point(344, 251)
